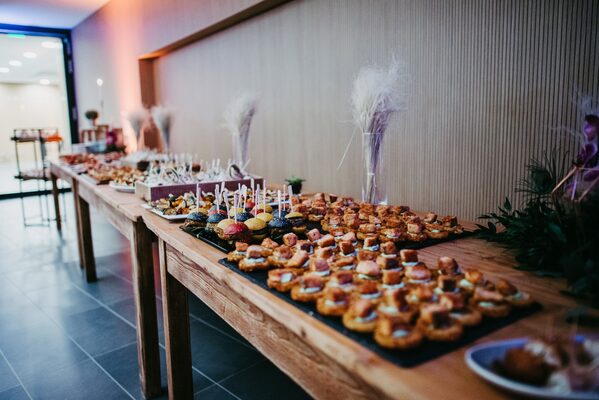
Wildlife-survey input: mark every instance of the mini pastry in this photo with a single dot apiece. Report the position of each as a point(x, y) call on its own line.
point(298, 222)
point(388, 250)
point(220, 227)
point(282, 279)
point(341, 262)
point(305, 245)
point(382, 211)
point(419, 275)
point(316, 213)
point(368, 290)
point(290, 239)
point(350, 237)
point(430, 218)
point(365, 255)
point(280, 256)
point(415, 230)
point(446, 284)
point(255, 259)
point(394, 305)
point(421, 295)
point(239, 253)
point(299, 261)
point(512, 295)
point(342, 279)
point(346, 248)
point(409, 258)
point(392, 279)
point(367, 271)
point(448, 266)
point(334, 302)
point(490, 303)
point(324, 252)
point(388, 263)
point(212, 221)
point(279, 227)
point(337, 233)
point(395, 334)
point(376, 221)
point(314, 235)
point(351, 221)
point(308, 289)
point(195, 221)
point(269, 244)
point(371, 243)
point(366, 230)
point(471, 280)
point(326, 241)
point(450, 224)
point(396, 222)
point(436, 324)
point(436, 231)
point(237, 231)
point(459, 311)
point(320, 267)
point(258, 229)
point(361, 316)
point(266, 217)
point(393, 235)
point(332, 222)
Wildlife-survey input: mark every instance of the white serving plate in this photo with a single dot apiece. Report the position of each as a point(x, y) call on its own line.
point(480, 359)
point(177, 217)
point(121, 188)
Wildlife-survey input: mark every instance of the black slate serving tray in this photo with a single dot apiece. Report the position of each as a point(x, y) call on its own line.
point(404, 358)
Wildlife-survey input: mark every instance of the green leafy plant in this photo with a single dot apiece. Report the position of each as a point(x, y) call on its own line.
point(550, 238)
point(296, 183)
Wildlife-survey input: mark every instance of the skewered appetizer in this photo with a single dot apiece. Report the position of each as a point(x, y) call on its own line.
point(258, 229)
point(195, 221)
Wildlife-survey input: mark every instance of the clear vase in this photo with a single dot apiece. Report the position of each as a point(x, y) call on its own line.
point(374, 176)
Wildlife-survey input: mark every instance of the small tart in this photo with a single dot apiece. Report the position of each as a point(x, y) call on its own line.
point(436, 231)
point(512, 295)
point(344, 263)
point(436, 324)
point(282, 279)
point(280, 256)
point(334, 302)
point(255, 259)
point(308, 289)
point(239, 253)
point(490, 303)
point(361, 316)
point(367, 271)
point(394, 334)
point(368, 290)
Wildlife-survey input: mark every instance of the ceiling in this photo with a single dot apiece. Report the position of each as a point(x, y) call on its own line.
point(64, 14)
point(46, 68)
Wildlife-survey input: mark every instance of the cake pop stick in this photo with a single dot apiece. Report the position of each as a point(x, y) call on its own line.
point(197, 196)
point(216, 197)
point(227, 201)
point(235, 200)
point(279, 202)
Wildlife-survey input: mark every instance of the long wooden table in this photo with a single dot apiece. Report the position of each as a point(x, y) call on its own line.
point(124, 212)
point(324, 362)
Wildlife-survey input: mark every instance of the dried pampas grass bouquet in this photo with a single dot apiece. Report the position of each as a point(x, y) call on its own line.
point(238, 118)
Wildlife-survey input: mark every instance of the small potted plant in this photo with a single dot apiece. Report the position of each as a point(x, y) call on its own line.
point(296, 184)
point(92, 116)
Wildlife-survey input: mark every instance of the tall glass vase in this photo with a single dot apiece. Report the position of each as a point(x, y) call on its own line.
point(374, 176)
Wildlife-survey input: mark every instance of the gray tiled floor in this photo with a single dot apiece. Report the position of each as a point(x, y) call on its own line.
point(61, 337)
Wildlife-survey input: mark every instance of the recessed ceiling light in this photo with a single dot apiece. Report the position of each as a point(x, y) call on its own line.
point(52, 45)
point(29, 54)
point(4, 70)
point(45, 81)
point(15, 63)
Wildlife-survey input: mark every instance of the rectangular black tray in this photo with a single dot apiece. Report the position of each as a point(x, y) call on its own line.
point(404, 358)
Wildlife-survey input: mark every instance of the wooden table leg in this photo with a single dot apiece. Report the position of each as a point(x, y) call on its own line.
point(176, 332)
point(86, 247)
point(55, 197)
point(148, 352)
point(75, 189)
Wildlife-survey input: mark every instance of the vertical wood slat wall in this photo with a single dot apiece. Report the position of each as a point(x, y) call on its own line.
point(491, 83)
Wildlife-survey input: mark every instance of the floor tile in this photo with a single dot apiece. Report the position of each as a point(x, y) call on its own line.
point(60, 301)
point(99, 331)
point(216, 355)
point(84, 380)
point(126, 309)
point(122, 365)
point(263, 381)
point(109, 288)
point(221, 325)
point(8, 379)
point(15, 393)
point(214, 392)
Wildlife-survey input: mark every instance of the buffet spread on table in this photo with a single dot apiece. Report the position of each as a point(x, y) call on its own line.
point(352, 265)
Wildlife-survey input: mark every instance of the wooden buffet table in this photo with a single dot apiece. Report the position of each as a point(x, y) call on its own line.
point(124, 212)
point(324, 362)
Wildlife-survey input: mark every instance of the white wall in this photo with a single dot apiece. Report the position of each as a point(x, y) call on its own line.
point(30, 106)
